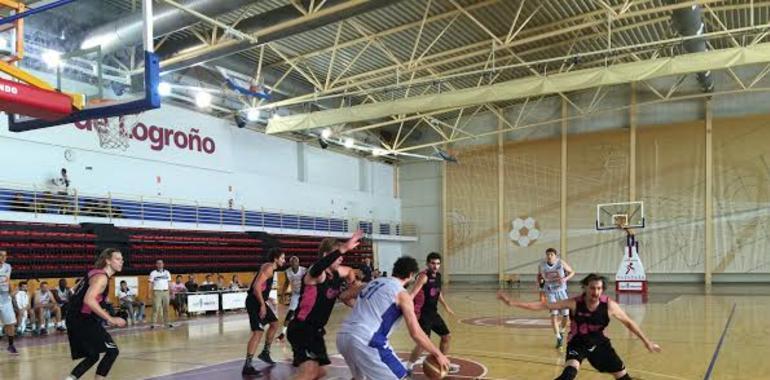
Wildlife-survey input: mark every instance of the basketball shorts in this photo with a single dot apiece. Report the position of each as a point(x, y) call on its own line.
point(433, 322)
point(601, 356)
point(7, 314)
point(557, 295)
point(367, 362)
point(88, 337)
point(307, 343)
point(257, 323)
point(294, 303)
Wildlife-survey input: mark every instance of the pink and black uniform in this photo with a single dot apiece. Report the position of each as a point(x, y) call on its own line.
point(426, 305)
point(85, 330)
point(316, 302)
point(253, 305)
point(587, 339)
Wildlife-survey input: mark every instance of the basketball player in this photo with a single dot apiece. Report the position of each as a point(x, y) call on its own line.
point(85, 318)
point(555, 273)
point(321, 286)
point(294, 277)
point(590, 314)
point(260, 313)
point(7, 313)
point(427, 294)
point(363, 337)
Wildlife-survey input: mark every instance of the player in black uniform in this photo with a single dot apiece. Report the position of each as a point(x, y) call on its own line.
point(321, 287)
point(427, 295)
point(589, 315)
point(85, 316)
point(260, 313)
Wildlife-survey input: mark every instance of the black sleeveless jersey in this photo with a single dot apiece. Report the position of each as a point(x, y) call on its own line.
point(426, 300)
point(266, 288)
point(588, 326)
point(316, 302)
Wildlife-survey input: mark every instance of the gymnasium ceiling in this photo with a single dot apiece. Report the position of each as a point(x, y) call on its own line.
point(327, 54)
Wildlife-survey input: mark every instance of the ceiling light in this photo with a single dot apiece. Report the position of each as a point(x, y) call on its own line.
point(377, 152)
point(51, 58)
point(164, 89)
point(326, 133)
point(252, 114)
point(349, 143)
point(202, 99)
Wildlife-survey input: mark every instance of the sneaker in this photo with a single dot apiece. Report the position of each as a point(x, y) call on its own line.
point(171, 326)
point(454, 368)
point(12, 350)
point(265, 357)
point(152, 327)
point(61, 328)
point(250, 371)
point(559, 342)
point(43, 332)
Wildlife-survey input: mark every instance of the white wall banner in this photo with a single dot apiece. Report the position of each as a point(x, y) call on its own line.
point(234, 300)
point(131, 281)
point(202, 302)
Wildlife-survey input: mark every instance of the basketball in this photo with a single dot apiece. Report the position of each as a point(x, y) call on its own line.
point(432, 369)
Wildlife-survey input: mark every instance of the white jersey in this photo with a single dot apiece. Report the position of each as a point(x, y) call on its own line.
point(295, 279)
point(5, 282)
point(375, 312)
point(552, 274)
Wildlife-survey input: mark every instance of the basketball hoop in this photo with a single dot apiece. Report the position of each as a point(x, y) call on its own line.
point(115, 132)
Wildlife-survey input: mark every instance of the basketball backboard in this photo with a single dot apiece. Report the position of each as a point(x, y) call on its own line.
point(108, 88)
point(610, 216)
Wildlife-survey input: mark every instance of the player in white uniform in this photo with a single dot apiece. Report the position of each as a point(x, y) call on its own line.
point(363, 337)
point(294, 278)
point(7, 313)
point(555, 273)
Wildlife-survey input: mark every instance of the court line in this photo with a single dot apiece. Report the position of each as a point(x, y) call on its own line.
point(719, 345)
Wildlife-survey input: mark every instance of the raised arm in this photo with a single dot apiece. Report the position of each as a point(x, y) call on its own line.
point(617, 312)
point(406, 303)
point(534, 306)
point(422, 279)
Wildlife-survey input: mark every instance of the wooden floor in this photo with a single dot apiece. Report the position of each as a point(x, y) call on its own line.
point(493, 342)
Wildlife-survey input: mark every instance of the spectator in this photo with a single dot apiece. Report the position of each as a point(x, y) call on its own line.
point(178, 291)
point(18, 204)
point(44, 303)
point(160, 282)
point(376, 273)
point(207, 280)
point(128, 301)
point(191, 285)
point(62, 295)
point(221, 282)
point(23, 308)
point(235, 284)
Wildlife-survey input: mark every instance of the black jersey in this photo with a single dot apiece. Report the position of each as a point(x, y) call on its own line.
point(426, 301)
point(77, 307)
point(316, 302)
point(267, 286)
point(588, 326)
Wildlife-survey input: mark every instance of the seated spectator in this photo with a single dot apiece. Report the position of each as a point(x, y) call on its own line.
point(128, 301)
point(178, 298)
point(235, 284)
point(221, 282)
point(62, 295)
point(191, 285)
point(44, 303)
point(23, 308)
point(207, 280)
point(18, 204)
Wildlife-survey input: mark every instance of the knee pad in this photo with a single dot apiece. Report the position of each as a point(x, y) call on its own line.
point(569, 373)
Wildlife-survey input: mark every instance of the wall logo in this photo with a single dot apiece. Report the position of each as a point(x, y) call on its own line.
point(525, 231)
point(159, 138)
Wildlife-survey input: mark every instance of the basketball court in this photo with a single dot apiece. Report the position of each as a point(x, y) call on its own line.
point(630, 136)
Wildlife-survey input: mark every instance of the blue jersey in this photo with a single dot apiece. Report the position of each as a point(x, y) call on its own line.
point(375, 312)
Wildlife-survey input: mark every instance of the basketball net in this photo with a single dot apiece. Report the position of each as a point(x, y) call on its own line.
point(115, 132)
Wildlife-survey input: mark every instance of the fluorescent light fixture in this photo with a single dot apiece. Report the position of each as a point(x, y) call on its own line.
point(326, 133)
point(202, 99)
point(349, 143)
point(51, 58)
point(164, 89)
point(252, 114)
